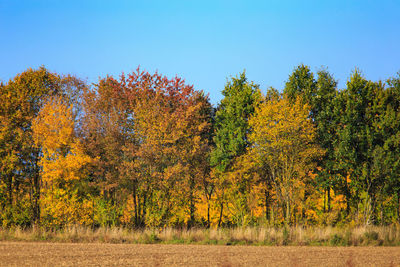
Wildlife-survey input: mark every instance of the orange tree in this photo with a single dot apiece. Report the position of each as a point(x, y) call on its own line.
point(168, 160)
point(62, 165)
point(149, 138)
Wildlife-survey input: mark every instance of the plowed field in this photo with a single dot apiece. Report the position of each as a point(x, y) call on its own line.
point(94, 254)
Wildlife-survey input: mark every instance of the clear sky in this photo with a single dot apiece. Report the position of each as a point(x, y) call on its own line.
point(203, 41)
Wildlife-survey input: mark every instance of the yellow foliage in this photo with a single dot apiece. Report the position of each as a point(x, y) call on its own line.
point(201, 208)
point(128, 213)
point(63, 156)
point(338, 202)
point(62, 162)
point(62, 207)
point(255, 202)
point(283, 138)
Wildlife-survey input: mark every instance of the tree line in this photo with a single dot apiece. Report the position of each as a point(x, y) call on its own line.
point(145, 150)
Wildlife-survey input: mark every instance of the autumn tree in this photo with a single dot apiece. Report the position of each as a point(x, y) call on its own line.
point(21, 100)
point(195, 153)
point(105, 129)
point(62, 163)
point(167, 163)
point(150, 135)
point(283, 140)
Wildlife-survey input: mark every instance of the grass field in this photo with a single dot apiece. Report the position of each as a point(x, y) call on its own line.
point(100, 254)
point(265, 236)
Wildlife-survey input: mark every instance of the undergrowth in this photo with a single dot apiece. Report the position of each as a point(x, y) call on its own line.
point(270, 236)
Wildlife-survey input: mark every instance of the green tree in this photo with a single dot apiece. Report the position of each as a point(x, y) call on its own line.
point(320, 95)
point(386, 162)
point(326, 123)
point(301, 82)
point(359, 108)
point(232, 128)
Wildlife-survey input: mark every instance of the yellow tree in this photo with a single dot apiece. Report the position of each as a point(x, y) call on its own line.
point(61, 165)
point(246, 192)
point(282, 140)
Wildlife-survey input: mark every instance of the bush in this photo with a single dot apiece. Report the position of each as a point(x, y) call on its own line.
point(337, 240)
point(106, 213)
point(371, 235)
point(18, 215)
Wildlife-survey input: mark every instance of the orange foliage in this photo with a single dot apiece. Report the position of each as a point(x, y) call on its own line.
point(62, 164)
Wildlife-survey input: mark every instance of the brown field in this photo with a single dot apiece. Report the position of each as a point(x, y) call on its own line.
point(98, 254)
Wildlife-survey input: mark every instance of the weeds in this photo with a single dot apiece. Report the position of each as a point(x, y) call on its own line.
point(315, 236)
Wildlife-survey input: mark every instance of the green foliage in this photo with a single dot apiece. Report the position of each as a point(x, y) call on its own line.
point(146, 150)
point(325, 121)
point(17, 215)
point(337, 240)
point(301, 83)
point(106, 213)
point(371, 235)
point(231, 121)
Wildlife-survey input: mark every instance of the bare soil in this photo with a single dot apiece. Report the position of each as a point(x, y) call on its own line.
point(98, 254)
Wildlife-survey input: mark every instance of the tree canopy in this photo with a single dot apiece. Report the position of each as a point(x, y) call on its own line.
point(146, 150)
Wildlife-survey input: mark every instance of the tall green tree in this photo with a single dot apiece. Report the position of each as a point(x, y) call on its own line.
point(320, 94)
point(232, 127)
point(301, 82)
point(387, 155)
point(359, 110)
point(326, 123)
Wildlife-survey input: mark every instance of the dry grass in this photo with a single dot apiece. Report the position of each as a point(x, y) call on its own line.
point(333, 236)
point(96, 254)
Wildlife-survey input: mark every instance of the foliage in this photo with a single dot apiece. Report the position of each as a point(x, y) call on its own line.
point(231, 132)
point(62, 165)
point(145, 150)
point(283, 140)
point(21, 99)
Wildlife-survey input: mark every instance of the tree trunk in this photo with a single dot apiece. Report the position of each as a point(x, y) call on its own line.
point(398, 205)
point(135, 205)
point(9, 189)
point(267, 214)
point(287, 219)
point(208, 214)
point(347, 197)
point(36, 198)
point(328, 201)
point(192, 209)
point(192, 204)
point(220, 214)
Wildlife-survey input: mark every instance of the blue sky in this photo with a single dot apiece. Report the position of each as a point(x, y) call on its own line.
point(204, 42)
